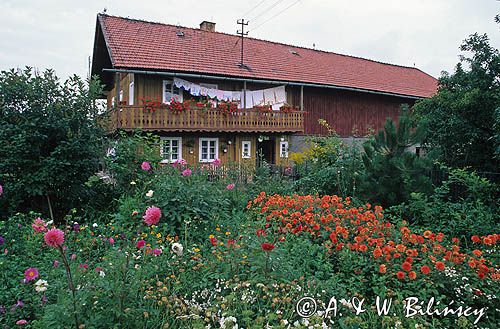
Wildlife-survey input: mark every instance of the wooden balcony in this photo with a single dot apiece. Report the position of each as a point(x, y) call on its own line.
point(135, 117)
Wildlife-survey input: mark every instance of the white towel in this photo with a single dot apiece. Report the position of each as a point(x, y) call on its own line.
point(276, 107)
point(220, 94)
point(248, 99)
point(280, 94)
point(178, 82)
point(269, 97)
point(228, 95)
point(258, 97)
point(203, 91)
point(195, 89)
point(212, 93)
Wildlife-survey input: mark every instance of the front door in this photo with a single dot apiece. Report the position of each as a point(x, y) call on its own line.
point(266, 151)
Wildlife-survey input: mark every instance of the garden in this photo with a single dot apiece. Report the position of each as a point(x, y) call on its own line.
point(96, 232)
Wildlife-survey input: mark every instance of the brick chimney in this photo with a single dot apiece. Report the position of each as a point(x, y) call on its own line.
point(207, 26)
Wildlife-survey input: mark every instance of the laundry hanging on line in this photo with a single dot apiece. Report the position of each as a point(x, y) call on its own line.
point(271, 96)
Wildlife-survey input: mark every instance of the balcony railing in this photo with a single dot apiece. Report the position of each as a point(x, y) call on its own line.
point(136, 117)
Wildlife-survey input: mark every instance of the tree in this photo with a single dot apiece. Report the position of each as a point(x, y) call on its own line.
point(49, 140)
point(392, 171)
point(458, 124)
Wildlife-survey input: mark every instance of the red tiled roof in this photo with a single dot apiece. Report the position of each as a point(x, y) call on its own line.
point(146, 45)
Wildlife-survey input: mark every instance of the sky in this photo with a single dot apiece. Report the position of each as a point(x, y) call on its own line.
point(59, 34)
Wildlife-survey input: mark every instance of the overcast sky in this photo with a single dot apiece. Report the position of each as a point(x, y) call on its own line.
point(59, 34)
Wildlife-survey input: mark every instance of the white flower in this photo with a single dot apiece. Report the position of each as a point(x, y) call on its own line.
point(94, 225)
point(102, 274)
point(177, 248)
point(150, 194)
point(226, 323)
point(132, 183)
point(41, 285)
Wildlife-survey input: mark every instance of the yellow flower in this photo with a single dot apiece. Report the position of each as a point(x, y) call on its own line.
point(218, 229)
point(172, 276)
point(211, 236)
point(244, 256)
point(228, 233)
point(196, 250)
point(158, 235)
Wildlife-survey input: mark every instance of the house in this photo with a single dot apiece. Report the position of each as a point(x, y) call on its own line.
point(190, 86)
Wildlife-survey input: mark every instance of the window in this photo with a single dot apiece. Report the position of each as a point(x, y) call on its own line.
point(171, 148)
point(283, 149)
point(170, 91)
point(246, 149)
point(209, 149)
point(121, 95)
point(131, 93)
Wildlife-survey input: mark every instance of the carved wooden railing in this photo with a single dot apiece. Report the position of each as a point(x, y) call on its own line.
point(136, 117)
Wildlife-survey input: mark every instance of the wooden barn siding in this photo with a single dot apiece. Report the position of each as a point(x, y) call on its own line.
point(349, 113)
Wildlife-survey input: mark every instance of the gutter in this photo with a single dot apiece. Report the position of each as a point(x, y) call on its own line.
point(277, 82)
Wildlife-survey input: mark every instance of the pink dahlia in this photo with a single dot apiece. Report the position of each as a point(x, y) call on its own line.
point(230, 186)
point(39, 225)
point(157, 252)
point(186, 172)
point(1, 189)
point(141, 244)
point(54, 237)
point(31, 274)
point(146, 166)
point(152, 216)
point(216, 162)
point(21, 322)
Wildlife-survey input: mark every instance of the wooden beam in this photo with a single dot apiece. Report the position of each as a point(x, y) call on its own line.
point(302, 97)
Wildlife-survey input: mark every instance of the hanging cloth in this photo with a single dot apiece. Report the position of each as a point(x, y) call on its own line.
point(280, 94)
point(258, 97)
point(269, 97)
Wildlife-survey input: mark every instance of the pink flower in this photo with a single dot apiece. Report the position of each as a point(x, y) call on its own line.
point(157, 252)
point(73, 257)
point(230, 186)
point(146, 166)
point(186, 172)
point(39, 225)
point(21, 322)
point(152, 216)
point(111, 241)
point(84, 266)
point(216, 162)
point(56, 264)
point(54, 237)
point(141, 244)
point(31, 274)
point(1, 189)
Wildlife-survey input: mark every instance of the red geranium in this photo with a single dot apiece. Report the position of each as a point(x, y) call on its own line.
point(267, 246)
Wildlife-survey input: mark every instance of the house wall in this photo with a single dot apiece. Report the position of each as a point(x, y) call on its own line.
point(191, 144)
point(349, 113)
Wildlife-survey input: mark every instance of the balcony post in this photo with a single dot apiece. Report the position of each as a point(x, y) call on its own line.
point(302, 97)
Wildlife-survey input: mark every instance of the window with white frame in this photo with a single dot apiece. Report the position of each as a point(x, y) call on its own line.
point(171, 148)
point(283, 149)
point(246, 149)
point(209, 149)
point(131, 93)
point(170, 91)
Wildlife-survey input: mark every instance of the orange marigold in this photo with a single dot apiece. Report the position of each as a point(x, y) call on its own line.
point(412, 275)
point(382, 269)
point(400, 275)
point(439, 266)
